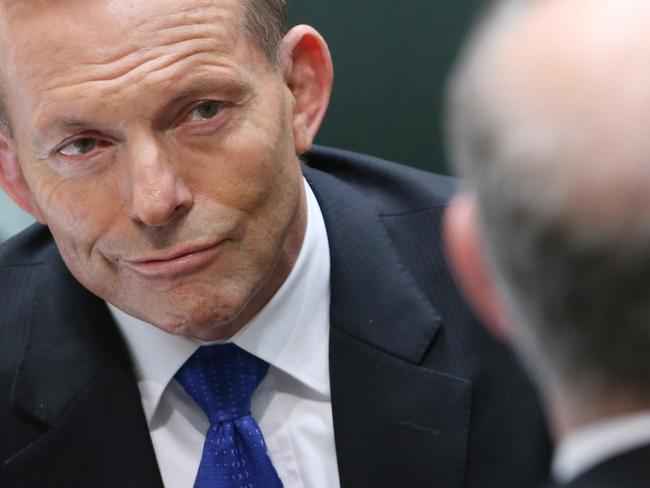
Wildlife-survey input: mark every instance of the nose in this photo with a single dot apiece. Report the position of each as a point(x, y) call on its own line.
point(159, 193)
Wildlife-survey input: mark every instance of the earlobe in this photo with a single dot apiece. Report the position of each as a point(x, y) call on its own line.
point(13, 181)
point(308, 73)
point(465, 251)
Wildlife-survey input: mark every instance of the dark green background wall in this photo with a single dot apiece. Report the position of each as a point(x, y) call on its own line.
point(391, 60)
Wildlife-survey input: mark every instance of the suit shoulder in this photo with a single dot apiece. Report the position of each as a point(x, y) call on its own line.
point(393, 187)
point(21, 273)
point(31, 247)
point(23, 266)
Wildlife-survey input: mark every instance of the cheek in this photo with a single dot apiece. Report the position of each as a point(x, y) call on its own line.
point(244, 171)
point(256, 161)
point(70, 210)
point(78, 212)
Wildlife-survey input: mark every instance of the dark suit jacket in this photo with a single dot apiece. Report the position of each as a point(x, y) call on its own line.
point(421, 395)
point(630, 469)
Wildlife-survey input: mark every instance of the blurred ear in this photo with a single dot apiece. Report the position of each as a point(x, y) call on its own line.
point(308, 72)
point(12, 180)
point(463, 244)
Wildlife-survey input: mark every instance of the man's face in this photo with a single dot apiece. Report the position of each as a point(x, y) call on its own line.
point(156, 141)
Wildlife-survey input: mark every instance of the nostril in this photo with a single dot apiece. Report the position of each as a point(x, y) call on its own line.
point(159, 193)
point(156, 210)
point(181, 209)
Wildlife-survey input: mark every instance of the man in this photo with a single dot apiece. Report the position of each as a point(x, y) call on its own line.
point(551, 240)
point(158, 143)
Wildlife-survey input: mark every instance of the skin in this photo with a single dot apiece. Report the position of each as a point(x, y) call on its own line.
point(572, 67)
point(161, 148)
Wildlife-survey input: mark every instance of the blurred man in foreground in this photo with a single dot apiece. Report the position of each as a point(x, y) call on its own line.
point(549, 117)
point(202, 308)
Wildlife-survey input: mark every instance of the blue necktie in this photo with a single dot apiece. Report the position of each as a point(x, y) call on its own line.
point(222, 379)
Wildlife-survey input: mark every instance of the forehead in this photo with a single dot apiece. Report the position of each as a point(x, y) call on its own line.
point(105, 39)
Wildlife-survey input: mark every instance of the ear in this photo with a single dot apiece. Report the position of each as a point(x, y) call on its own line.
point(12, 180)
point(463, 244)
point(308, 72)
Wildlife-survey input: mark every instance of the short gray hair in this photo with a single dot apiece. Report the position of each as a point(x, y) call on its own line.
point(580, 294)
point(266, 21)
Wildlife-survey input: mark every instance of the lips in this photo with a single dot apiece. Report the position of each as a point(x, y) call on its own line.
point(181, 262)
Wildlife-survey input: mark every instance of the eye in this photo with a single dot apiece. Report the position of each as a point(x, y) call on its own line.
point(205, 111)
point(79, 147)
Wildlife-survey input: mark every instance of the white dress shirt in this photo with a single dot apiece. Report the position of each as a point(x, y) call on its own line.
point(292, 404)
point(596, 443)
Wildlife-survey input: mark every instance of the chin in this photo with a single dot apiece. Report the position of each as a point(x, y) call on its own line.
point(198, 312)
point(205, 323)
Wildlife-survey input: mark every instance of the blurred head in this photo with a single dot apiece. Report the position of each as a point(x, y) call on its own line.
point(548, 112)
point(159, 142)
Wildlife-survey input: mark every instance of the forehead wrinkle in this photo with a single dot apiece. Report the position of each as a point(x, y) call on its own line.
point(110, 54)
point(187, 14)
point(177, 44)
point(51, 119)
point(136, 66)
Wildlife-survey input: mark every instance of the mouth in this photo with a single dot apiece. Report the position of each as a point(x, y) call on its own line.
point(179, 263)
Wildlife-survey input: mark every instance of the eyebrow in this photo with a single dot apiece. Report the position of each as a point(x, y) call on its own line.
point(223, 86)
point(200, 86)
point(229, 87)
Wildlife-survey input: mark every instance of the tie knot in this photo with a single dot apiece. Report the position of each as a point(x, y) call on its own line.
point(221, 379)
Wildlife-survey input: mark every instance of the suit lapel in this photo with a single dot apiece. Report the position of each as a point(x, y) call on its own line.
point(395, 423)
point(76, 382)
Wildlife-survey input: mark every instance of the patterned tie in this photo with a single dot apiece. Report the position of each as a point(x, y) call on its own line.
point(222, 379)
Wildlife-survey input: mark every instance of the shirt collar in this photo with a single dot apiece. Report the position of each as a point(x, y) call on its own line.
point(291, 332)
point(598, 442)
